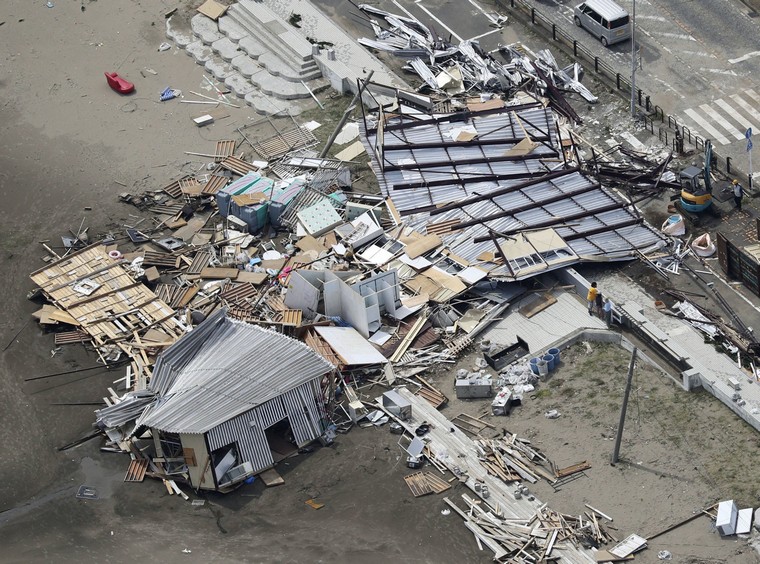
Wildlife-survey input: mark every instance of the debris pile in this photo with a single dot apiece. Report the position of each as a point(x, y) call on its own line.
point(449, 71)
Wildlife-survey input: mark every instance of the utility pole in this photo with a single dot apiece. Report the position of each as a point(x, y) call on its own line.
point(619, 438)
point(633, 61)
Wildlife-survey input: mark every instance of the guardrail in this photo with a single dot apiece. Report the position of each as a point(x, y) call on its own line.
point(667, 128)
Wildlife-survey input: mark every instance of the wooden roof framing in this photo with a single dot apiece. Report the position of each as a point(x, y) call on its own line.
point(104, 298)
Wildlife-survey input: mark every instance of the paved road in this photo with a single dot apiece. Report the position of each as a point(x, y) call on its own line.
point(698, 59)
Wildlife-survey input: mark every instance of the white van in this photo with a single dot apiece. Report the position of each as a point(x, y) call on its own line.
point(603, 19)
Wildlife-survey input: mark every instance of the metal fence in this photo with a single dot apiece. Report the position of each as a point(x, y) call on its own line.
point(667, 128)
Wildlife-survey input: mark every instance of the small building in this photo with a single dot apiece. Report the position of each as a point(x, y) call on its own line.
point(232, 399)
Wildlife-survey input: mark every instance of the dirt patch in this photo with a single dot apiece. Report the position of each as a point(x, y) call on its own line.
point(681, 451)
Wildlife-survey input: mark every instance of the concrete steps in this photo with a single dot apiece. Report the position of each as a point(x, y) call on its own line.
point(248, 78)
point(292, 62)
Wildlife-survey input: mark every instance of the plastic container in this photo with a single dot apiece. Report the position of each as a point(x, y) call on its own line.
point(534, 365)
point(549, 359)
point(556, 354)
point(543, 368)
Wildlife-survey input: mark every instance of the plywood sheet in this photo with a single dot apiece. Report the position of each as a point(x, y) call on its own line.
point(350, 346)
point(212, 9)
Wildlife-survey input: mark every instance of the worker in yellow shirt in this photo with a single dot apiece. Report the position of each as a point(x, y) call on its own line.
point(591, 298)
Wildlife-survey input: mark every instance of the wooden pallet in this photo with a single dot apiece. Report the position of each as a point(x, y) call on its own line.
point(224, 149)
point(290, 317)
point(173, 188)
point(136, 470)
point(438, 484)
point(236, 293)
point(200, 261)
point(152, 258)
point(173, 209)
point(215, 183)
point(236, 165)
point(456, 346)
point(284, 142)
point(418, 484)
point(70, 337)
point(423, 483)
point(190, 186)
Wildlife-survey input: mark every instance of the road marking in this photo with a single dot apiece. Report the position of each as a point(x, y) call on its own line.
point(719, 71)
point(484, 34)
point(674, 35)
point(744, 57)
point(732, 113)
point(700, 54)
point(407, 12)
point(720, 120)
point(653, 18)
point(752, 94)
point(482, 11)
point(705, 125)
point(434, 18)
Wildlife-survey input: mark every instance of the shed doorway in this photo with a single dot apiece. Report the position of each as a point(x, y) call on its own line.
point(280, 439)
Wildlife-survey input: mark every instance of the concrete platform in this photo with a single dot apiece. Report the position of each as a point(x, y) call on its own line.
point(205, 29)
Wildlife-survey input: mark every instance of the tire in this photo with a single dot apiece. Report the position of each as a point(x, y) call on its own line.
point(577, 21)
point(604, 41)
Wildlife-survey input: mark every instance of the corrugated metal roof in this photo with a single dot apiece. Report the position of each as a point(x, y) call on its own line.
point(422, 169)
point(224, 368)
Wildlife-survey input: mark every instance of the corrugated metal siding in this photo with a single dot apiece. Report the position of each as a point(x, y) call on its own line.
point(270, 412)
point(301, 405)
point(251, 440)
point(215, 374)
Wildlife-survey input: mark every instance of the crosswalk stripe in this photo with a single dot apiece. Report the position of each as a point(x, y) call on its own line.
point(737, 117)
point(746, 107)
point(720, 120)
point(705, 125)
point(752, 94)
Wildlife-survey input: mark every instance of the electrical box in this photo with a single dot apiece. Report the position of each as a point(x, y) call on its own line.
point(398, 406)
point(473, 388)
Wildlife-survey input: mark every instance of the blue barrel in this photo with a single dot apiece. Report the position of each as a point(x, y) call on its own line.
point(534, 365)
point(549, 358)
point(555, 352)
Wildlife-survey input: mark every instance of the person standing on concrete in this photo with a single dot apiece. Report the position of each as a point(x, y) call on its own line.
point(607, 312)
point(591, 298)
point(738, 194)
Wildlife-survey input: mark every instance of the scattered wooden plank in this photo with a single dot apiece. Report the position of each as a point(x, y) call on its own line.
point(580, 467)
point(271, 478)
point(136, 470)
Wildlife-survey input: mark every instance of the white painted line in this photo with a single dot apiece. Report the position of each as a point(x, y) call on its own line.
point(736, 116)
point(407, 12)
point(700, 54)
point(742, 103)
point(434, 18)
point(720, 120)
point(719, 71)
point(653, 18)
point(705, 125)
point(484, 34)
point(744, 57)
point(674, 36)
point(482, 11)
point(752, 94)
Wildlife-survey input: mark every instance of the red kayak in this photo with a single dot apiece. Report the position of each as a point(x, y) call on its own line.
point(119, 84)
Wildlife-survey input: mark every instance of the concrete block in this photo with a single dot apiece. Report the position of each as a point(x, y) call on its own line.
point(728, 514)
point(692, 379)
